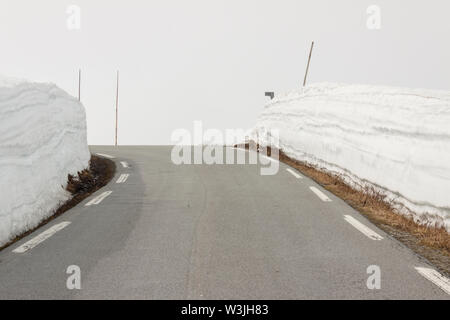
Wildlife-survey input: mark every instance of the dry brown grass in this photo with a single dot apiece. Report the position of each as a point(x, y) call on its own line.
point(100, 172)
point(431, 243)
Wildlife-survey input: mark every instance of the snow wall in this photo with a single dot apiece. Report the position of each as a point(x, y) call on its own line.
point(42, 140)
point(394, 139)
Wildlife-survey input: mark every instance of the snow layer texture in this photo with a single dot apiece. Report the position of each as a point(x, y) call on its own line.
point(42, 140)
point(396, 140)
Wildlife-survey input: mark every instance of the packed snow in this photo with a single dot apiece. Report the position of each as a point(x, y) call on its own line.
point(396, 140)
point(42, 140)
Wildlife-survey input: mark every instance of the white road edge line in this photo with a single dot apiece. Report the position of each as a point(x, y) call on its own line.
point(362, 228)
point(98, 199)
point(105, 155)
point(124, 164)
point(41, 237)
point(257, 153)
point(295, 174)
point(268, 158)
point(435, 277)
point(320, 194)
point(123, 178)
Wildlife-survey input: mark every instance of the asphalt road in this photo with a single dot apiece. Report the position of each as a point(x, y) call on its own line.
point(210, 232)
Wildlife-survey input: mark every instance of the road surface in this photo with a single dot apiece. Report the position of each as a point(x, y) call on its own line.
point(210, 232)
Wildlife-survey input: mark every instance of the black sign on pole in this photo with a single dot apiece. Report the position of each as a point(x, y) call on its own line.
point(270, 94)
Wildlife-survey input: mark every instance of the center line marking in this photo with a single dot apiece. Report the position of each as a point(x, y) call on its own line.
point(105, 155)
point(320, 194)
point(435, 277)
point(98, 199)
point(295, 174)
point(41, 237)
point(124, 164)
point(123, 178)
point(362, 228)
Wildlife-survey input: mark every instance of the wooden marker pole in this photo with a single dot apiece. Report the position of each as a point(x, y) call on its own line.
point(309, 61)
point(79, 85)
point(117, 107)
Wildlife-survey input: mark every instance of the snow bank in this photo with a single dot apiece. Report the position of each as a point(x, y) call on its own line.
point(42, 140)
point(395, 139)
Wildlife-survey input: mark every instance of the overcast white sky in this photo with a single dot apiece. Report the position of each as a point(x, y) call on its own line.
point(212, 60)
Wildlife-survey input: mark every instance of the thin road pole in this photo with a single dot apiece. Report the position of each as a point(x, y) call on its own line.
point(117, 106)
point(309, 61)
point(79, 84)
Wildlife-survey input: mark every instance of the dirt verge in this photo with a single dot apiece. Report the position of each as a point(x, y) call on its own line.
point(100, 172)
point(430, 243)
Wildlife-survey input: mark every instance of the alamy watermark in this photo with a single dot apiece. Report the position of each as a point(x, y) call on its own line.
point(74, 280)
point(207, 147)
point(374, 280)
point(73, 21)
point(374, 17)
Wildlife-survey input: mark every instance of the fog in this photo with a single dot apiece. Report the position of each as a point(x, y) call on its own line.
point(213, 60)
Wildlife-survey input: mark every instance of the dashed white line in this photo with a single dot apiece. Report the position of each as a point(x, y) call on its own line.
point(124, 164)
point(41, 237)
point(122, 178)
point(295, 174)
point(435, 277)
point(98, 199)
point(105, 155)
point(320, 194)
point(362, 228)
